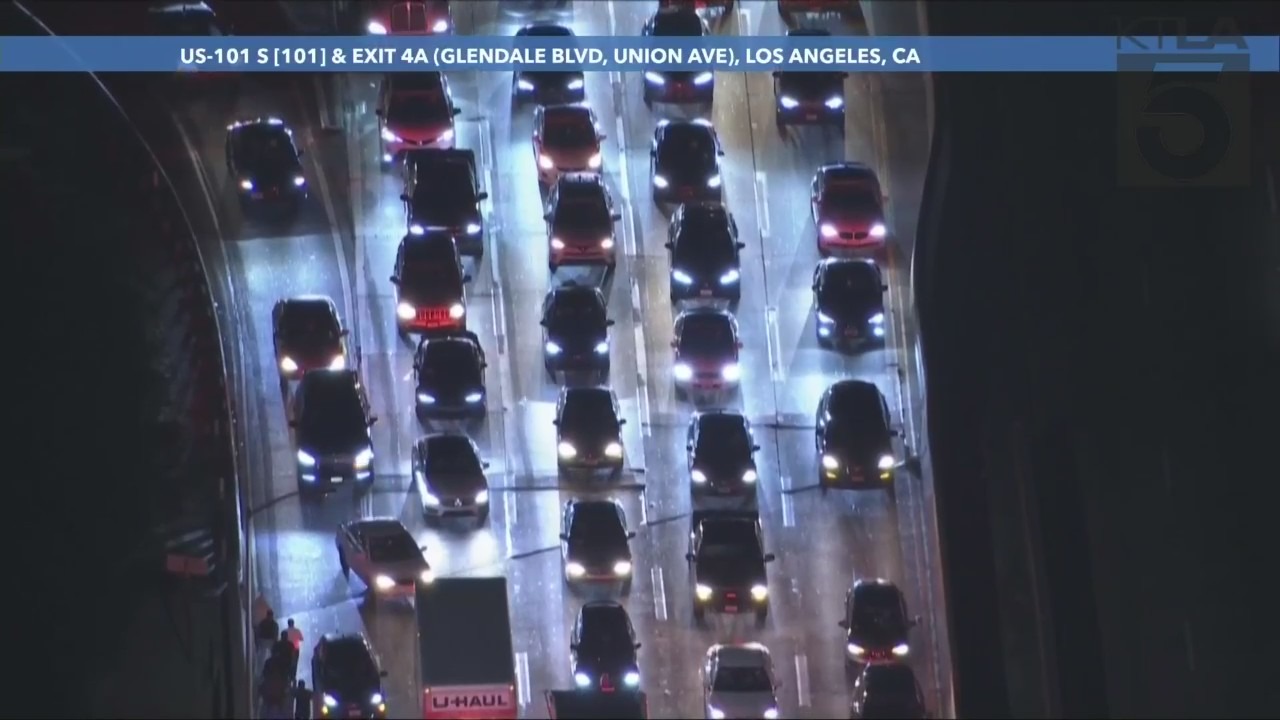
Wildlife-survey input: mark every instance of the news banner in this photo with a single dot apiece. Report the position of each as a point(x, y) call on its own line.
point(383, 54)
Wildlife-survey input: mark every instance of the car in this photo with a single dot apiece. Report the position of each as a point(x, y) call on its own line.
point(442, 193)
point(384, 555)
point(547, 87)
point(706, 349)
point(888, 691)
point(738, 681)
point(875, 622)
point(431, 296)
point(450, 477)
point(575, 330)
point(809, 98)
point(415, 110)
point(703, 247)
point(264, 163)
point(721, 459)
point(580, 218)
point(566, 139)
point(684, 162)
point(331, 422)
point(345, 678)
point(185, 19)
point(603, 647)
point(595, 542)
point(417, 17)
point(677, 86)
point(307, 336)
point(449, 378)
point(727, 561)
point(854, 439)
point(588, 429)
point(848, 302)
point(846, 202)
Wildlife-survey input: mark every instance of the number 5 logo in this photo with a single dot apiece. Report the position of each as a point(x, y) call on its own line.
point(1181, 128)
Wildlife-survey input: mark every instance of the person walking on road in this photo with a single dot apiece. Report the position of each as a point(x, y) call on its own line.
point(295, 636)
point(274, 688)
point(268, 628)
point(302, 696)
point(287, 653)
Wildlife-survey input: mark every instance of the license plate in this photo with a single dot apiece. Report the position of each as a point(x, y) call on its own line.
point(335, 480)
point(706, 293)
point(811, 116)
point(256, 196)
point(851, 333)
point(354, 714)
point(731, 608)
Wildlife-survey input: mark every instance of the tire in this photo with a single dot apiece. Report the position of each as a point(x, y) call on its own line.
point(626, 587)
point(699, 613)
point(483, 518)
point(762, 617)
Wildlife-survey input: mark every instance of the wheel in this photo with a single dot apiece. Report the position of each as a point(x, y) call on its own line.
point(822, 484)
point(762, 617)
point(551, 268)
point(648, 99)
point(699, 613)
point(782, 124)
point(626, 586)
point(482, 517)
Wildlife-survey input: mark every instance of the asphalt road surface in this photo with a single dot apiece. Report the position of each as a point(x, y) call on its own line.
point(343, 245)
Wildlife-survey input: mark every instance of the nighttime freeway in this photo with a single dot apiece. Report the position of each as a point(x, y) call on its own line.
point(642, 358)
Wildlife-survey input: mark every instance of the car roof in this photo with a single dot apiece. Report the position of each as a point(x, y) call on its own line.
point(331, 381)
point(181, 7)
point(334, 638)
point(678, 129)
point(308, 300)
point(593, 393)
point(721, 418)
point(854, 391)
point(598, 610)
point(847, 170)
point(430, 240)
point(875, 590)
point(259, 123)
point(575, 291)
point(675, 13)
point(555, 112)
point(701, 314)
point(581, 180)
point(740, 655)
point(446, 441)
point(417, 81)
point(369, 527)
point(863, 267)
point(595, 505)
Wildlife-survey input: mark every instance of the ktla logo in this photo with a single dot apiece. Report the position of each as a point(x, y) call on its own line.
point(1183, 105)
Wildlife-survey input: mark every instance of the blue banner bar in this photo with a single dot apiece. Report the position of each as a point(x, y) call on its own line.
point(601, 54)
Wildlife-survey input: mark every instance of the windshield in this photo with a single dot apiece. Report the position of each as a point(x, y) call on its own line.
point(706, 336)
point(594, 412)
point(454, 359)
point(577, 314)
point(392, 547)
point(595, 524)
point(724, 438)
point(846, 281)
point(453, 460)
point(568, 131)
point(812, 83)
point(419, 106)
point(308, 324)
point(850, 421)
point(332, 416)
point(705, 244)
point(265, 147)
point(349, 671)
point(689, 146)
point(450, 193)
point(433, 276)
point(603, 632)
point(584, 207)
point(679, 24)
point(877, 615)
point(742, 680)
point(852, 195)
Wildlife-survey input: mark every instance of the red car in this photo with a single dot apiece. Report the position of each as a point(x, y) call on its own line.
point(848, 211)
point(420, 17)
point(415, 110)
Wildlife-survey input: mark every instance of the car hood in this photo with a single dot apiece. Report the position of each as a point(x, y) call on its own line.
point(326, 441)
point(457, 387)
point(567, 157)
point(596, 555)
point(857, 449)
point(592, 231)
point(401, 570)
point(845, 219)
point(706, 361)
point(684, 174)
point(723, 471)
point(310, 354)
point(419, 130)
point(274, 175)
point(591, 442)
point(450, 216)
point(812, 92)
point(742, 704)
point(877, 637)
point(730, 575)
point(614, 662)
point(455, 485)
point(849, 309)
point(429, 294)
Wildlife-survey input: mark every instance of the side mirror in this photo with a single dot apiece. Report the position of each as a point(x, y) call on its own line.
point(564, 537)
point(755, 448)
point(894, 433)
point(769, 557)
point(601, 137)
point(739, 344)
point(844, 75)
point(608, 323)
point(556, 423)
point(466, 277)
point(484, 465)
point(814, 286)
point(631, 534)
point(573, 646)
point(383, 673)
point(884, 287)
point(668, 245)
point(653, 152)
point(844, 624)
point(543, 322)
point(394, 280)
point(688, 556)
point(457, 111)
point(689, 447)
point(916, 621)
point(615, 217)
point(404, 197)
point(378, 112)
point(344, 333)
point(638, 645)
point(547, 216)
point(673, 343)
point(482, 195)
point(373, 419)
point(720, 152)
point(740, 245)
point(622, 421)
point(777, 73)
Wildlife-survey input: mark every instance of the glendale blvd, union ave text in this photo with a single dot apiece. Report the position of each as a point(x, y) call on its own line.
point(620, 57)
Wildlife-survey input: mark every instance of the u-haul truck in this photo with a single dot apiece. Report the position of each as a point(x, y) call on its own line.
point(465, 654)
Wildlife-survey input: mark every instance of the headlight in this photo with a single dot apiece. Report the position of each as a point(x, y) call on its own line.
point(430, 499)
point(681, 277)
point(828, 230)
point(552, 348)
point(789, 103)
point(581, 679)
point(622, 567)
point(704, 78)
point(288, 365)
point(389, 136)
point(416, 229)
point(445, 136)
point(683, 372)
point(546, 163)
point(655, 78)
point(886, 462)
point(474, 397)
point(830, 462)
point(246, 184)
point(524, 85)
point(299, 181)
point(567, 450)
point(730, 277)
point(877, 319)
point(440, 26)
point(660, 182)
point(364, 458)
point(613, 450)
point(713, 181)
point(759, 592)
point(824, 318)
point(426, 577)
point(594, 161)
point(456, 311)
point(731, 372)
point(717, 713)
point(375, 699)
point(557, 244)
point(750, 476)
point(698, 476)
point(382, 582)
point(405, 311)
point(901, 649)
point(575, 84)
point(473, 228)
point(855, 649)
point(606, 243)
point(338, 363)
point(482, 497)
point(330, 701)
point(374, 28)
point(702, 591)
point(426, 399)
point(574, 569)
point(305, 459)
point(835, 103)
point(602, 348)
point(631, 679)
point(877, 230)
point(771, 714)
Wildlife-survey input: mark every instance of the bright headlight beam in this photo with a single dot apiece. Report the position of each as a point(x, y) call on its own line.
point(375, 28)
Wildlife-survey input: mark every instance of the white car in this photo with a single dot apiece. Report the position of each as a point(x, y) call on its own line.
point(738, 682)
point(384, 555)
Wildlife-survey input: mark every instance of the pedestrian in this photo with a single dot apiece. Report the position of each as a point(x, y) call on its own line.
point(295, 636)
point(274, 689)
point(288, 655)
point(302, 696)
point(268, 629)
point(260, 608)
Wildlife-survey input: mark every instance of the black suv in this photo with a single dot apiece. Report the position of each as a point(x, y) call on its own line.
point(702, 240)
point(684, 162)
point(449, 477)
point(442, 193)
point(345, 678)
point(580, 218)
point(575, 330)
point(544, 87)
point(595, 542)
point(848, 302)
point(727, 561)
point(307, 336)
point(331, 424)
point(264, 163)
point(809, 98)
point(853, 438)
point(588, 429)
point(875, 622)
point(449, 374)
point(603, 648)
point(722, 466)
point(677, 86)
point(431, 296)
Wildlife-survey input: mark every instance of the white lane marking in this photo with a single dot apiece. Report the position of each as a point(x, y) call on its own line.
point(802, 680)
point(632, 248)
point(642, 362)
point(613, 23)
point(659, 594)
point(773, 338)
point(357, 217)
point(744, 21)
point(522, 677)
point(762, 203)
point(510, 514)
point(788, 505)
